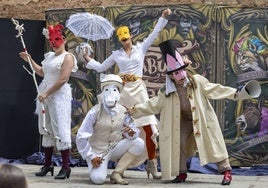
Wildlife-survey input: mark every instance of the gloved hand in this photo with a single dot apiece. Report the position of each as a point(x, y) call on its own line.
point(129, 131)
point(96, 162)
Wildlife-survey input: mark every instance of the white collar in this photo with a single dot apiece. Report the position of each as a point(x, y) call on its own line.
point(170, 86)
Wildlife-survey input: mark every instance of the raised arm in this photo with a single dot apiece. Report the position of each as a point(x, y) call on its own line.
point(99, 67)
point(158, 27)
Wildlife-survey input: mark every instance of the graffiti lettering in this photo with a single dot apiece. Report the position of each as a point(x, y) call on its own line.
point(153, 62)
point(251, 143)
point(252, 75)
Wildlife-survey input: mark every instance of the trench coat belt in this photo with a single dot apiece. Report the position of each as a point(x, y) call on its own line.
point(129, 77)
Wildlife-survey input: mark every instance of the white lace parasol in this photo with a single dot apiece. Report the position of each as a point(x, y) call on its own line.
point(90, 26)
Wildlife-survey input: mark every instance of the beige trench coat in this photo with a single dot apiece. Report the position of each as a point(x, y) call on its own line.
point(207, 135)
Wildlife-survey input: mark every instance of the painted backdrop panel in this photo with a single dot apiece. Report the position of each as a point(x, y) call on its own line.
point(227, 45)
point(245, 42)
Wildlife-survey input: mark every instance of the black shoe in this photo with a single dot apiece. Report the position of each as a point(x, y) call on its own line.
point(44, 170)
point(63, 174)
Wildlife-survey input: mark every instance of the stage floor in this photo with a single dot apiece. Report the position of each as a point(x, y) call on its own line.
point(79, 179)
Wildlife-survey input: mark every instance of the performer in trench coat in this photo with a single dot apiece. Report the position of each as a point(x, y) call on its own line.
point(187, 119)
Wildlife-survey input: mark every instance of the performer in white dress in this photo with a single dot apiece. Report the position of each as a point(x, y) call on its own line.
point(55, 94)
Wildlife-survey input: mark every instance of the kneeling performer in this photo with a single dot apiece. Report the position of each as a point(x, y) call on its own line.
point(107, 134)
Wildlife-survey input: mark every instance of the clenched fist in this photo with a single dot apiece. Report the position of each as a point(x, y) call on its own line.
point(166, 13)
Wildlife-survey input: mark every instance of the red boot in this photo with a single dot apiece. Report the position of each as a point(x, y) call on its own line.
point(180, 178)
point(227, 178)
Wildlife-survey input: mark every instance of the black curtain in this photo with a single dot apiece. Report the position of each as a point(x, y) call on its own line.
point(19, 135)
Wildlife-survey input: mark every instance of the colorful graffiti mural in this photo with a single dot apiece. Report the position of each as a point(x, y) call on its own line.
point(246, 40)
point(225, 44)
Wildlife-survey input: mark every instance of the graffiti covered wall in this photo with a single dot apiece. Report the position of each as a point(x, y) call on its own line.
point(245, 35)
point(223, 44)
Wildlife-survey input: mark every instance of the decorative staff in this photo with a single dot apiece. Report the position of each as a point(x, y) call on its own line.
point(20, 29)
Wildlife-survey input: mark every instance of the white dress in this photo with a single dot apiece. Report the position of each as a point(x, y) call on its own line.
point(57, 105)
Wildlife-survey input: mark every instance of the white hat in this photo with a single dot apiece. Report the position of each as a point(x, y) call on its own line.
point(111, 79)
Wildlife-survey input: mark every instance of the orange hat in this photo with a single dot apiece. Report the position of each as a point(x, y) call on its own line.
point(123, 33)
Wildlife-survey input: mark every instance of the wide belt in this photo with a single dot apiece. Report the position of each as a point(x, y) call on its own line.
point(129, 77)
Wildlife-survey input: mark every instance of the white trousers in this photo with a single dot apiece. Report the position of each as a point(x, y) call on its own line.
point(135, 147)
